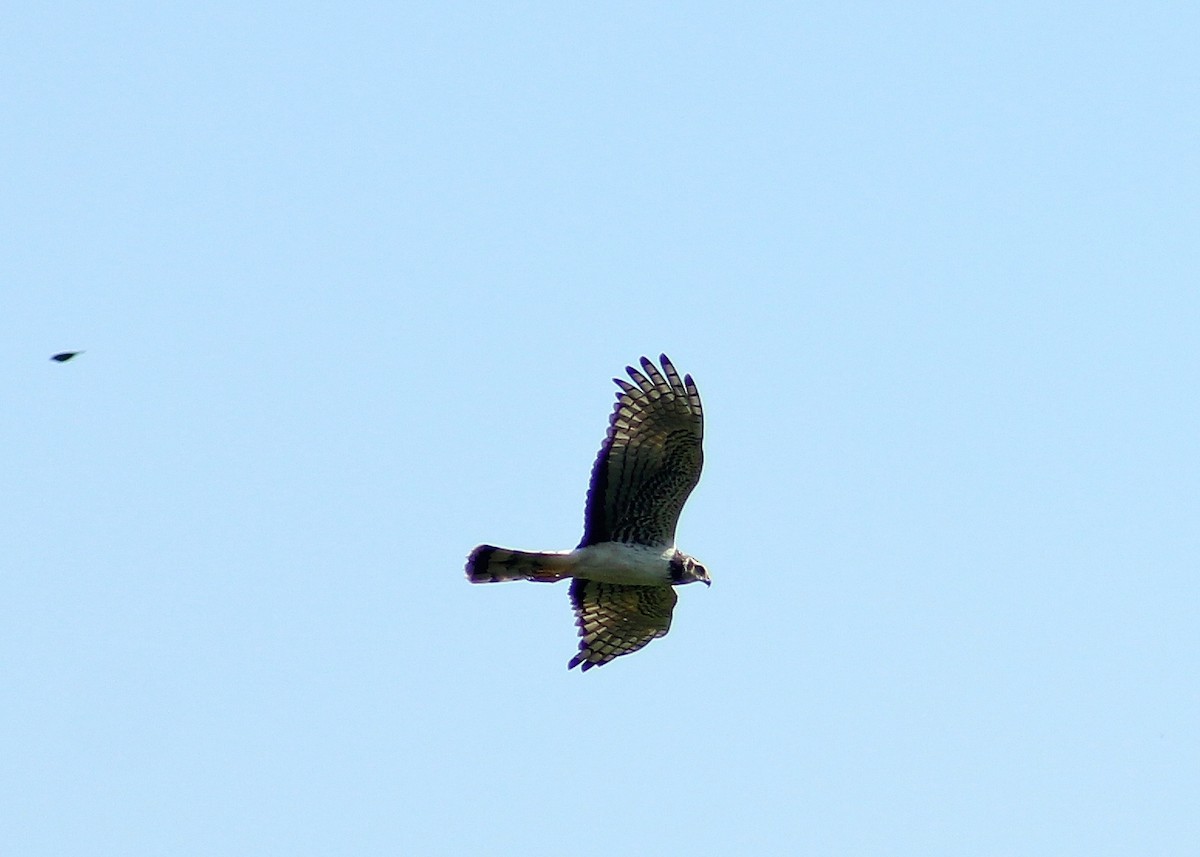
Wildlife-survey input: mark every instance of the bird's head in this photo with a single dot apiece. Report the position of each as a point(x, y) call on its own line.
point(685, 569)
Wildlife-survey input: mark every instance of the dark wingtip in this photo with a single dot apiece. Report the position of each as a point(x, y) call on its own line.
point(580, 661)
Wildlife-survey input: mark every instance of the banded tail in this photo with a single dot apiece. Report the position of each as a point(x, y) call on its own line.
point(488, 564)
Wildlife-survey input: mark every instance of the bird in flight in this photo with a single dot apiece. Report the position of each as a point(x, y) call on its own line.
point(624, 569)
point(64, 356)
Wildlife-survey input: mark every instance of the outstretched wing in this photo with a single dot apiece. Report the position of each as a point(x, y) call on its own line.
point(615, 619)
point(650, 460)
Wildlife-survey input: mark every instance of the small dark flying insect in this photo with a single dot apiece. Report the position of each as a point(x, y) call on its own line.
point(64, 356)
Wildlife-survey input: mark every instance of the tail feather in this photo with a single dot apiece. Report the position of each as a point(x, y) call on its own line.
point(488, 564)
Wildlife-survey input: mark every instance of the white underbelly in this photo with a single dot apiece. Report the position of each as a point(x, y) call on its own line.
point(613, 562)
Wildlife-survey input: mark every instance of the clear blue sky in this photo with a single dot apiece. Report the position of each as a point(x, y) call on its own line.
point(352, 282)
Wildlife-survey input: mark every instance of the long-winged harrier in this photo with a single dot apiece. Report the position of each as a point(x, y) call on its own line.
point(625, 566)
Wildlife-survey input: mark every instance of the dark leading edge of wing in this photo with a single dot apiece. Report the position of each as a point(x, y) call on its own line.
point(650, 459)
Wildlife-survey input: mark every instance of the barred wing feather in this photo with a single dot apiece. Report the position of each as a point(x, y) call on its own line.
point(650, 459)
